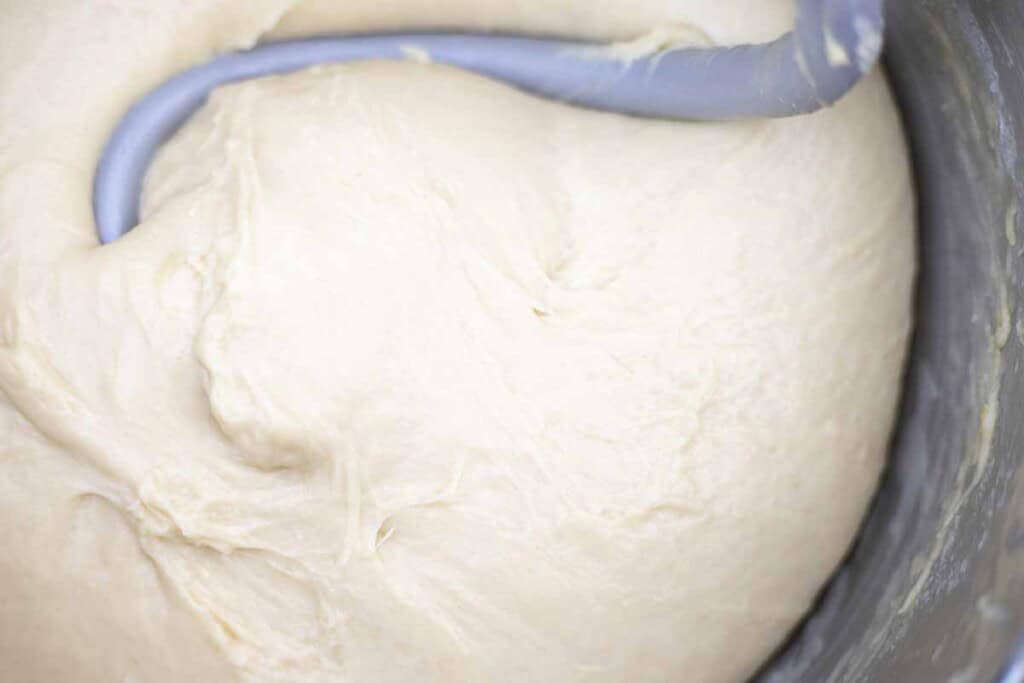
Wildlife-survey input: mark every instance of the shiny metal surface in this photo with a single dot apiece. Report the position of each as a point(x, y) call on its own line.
point(934, 590)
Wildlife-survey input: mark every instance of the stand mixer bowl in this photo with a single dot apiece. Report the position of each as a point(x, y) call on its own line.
point(934, 589)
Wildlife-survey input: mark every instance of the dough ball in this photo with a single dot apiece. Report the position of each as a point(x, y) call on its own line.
point(409, 376)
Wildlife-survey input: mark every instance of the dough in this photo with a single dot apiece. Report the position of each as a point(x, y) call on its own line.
point(408, 376)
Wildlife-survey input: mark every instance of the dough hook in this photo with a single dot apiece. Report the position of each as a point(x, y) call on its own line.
point(834, 44)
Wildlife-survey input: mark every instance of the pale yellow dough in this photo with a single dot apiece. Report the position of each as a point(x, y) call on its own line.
point(409, 377)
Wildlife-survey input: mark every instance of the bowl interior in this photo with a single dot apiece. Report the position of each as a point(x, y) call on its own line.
point(934, 589)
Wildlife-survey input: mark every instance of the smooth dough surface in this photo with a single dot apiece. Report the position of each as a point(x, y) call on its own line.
point(407, 376)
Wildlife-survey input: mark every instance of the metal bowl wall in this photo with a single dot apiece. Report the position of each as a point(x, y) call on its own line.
point(934, 590)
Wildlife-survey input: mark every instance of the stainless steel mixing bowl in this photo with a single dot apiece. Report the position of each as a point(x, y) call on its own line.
point(934, 590)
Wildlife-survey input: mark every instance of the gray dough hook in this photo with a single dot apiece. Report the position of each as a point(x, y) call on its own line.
point(834, 44)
